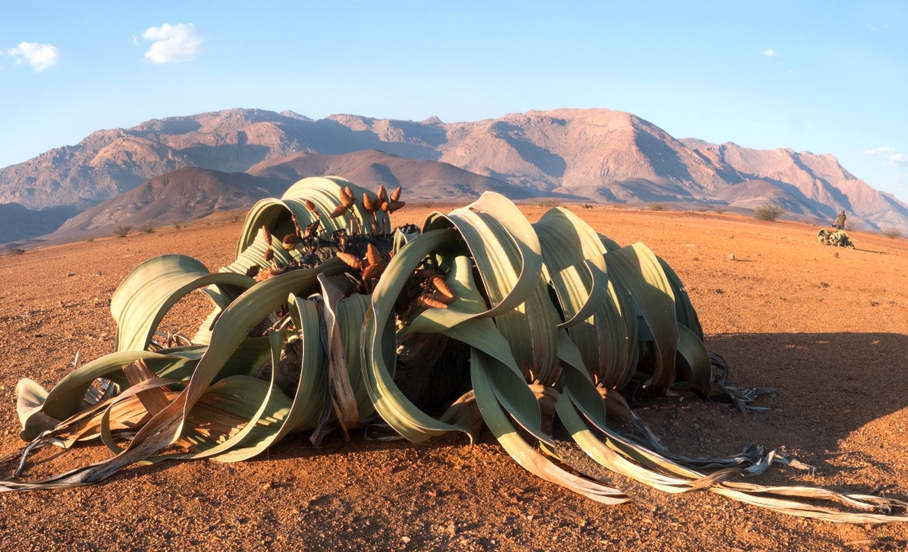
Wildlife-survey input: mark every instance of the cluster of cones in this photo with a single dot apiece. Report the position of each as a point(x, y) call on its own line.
point(371, 266)
point(382, 202)
point(441, 297)
point(371, 270)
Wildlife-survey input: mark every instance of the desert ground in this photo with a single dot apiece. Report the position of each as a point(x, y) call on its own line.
point(826, 327)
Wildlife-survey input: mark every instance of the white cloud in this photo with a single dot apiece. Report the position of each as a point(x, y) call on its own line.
point(39, 56)
point(769, 53)
point(889, 156)
point(173, 43)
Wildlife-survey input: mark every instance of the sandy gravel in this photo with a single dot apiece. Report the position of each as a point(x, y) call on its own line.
point(827, 327)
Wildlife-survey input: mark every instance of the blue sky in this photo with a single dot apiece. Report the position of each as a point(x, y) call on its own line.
point(825, 77)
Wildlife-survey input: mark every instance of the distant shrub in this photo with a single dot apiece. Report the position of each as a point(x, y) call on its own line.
point(15, 251)
point(548, 203)
point(655, 206)
point(176, 224)
point(768, 212)
point(89, 240)
point(892, 233)
point(147, 228)
point(720, 210)
point(586, 206)
point(122, 231)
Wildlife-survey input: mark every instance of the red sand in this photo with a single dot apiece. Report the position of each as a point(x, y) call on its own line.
point(826, 327)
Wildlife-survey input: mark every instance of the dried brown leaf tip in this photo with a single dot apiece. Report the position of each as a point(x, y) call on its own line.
point(351, 260)
point(264, 274)
point(395, 195)
point(269, 255)
point(430, 301)
point(395, 205)
point(311, 206)
point(338, 211)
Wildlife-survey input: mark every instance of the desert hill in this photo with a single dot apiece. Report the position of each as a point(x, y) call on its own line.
point(19, 223)
point(420, 179)
point(183, 195)
point(591, 154)
point(192, 193)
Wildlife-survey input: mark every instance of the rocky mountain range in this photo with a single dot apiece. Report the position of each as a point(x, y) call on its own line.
point(573, 154)
point(191, 193)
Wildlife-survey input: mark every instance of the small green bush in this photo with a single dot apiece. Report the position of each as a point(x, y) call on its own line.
point(548, 203)
point(768, 212)
point(122, 231)
point(586, 206)
point(176, 224)
point(15, 251)
point(147, 228)
point(655, 206)
point(720, 210)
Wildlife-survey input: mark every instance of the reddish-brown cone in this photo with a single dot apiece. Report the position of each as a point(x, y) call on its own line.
point(338, 211)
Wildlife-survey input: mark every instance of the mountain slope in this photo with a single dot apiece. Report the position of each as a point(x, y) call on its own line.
point(420, 179)
point(191, 193)
point(597, 154)
point(182, 195)
point(20, 223)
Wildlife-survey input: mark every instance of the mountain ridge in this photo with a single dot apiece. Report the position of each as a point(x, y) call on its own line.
point(585, 154)
point(192, 193)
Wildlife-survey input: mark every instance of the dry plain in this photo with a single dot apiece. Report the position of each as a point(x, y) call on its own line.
point(826, 327)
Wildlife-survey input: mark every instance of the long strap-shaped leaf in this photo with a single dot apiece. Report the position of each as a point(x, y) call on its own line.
point(508, 256)
point(506, 380)
point(520, 451)
point(233, 325)
point(652, 469)
point(323, 192)
point(575, 264)
point(684, 309)
point(340, 388)
point(637, 269)
point(378, 342)
point(147, 293)
point(390, 403)
point(307, 403)
point(65, 399)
